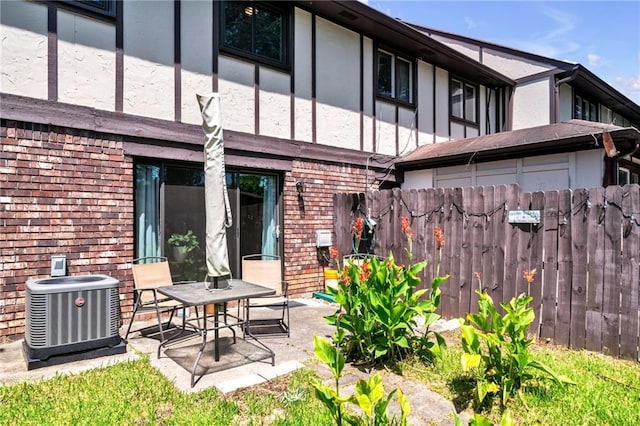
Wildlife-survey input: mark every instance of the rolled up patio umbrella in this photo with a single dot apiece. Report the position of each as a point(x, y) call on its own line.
point(217, 207)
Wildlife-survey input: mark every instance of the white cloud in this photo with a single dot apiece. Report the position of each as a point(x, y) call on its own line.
point(470, 22)
point(629, 86)
point(557, 40)
point(593, 59)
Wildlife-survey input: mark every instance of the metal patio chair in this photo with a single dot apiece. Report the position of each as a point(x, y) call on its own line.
point(266, 270)
point(149, 273)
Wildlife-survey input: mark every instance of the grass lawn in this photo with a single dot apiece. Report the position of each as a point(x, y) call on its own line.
point(134, 393)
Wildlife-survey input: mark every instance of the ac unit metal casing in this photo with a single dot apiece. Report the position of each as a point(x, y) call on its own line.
point(71, 314)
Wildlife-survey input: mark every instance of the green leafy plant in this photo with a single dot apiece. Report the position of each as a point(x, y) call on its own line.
point(499, 344)
point(188, 241)
point(369, 394)
point(379, 308)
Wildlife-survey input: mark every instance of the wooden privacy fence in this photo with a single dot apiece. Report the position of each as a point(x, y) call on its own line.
point(586, 251)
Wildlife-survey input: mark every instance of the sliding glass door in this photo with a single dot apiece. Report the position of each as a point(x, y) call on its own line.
point(170, 216)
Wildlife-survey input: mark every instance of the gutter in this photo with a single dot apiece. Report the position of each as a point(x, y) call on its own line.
point(556, 91)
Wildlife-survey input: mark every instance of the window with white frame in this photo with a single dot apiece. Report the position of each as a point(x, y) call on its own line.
point(395, 77)
point(464, 103)
point(624, 176)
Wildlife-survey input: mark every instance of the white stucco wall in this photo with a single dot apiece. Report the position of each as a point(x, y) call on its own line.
point(337, 85)
point(468, 49)
point(425, 103)
point(148, 59)
point(236, 87)
point(275, 103)
point(406, 130)
point(442, 105)
point(23, 49)
point(531, 104)
point(86, 61)
point(385, 128)
point(368, 97)
point(196, 52)
point(512, 66)
point(302, 69)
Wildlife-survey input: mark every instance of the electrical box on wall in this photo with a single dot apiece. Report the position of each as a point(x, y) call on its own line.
point(323, 238)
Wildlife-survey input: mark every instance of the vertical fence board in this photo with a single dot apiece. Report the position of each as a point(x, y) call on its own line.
point(630, 278)
point(612, 270)
point(453, 247)
point(563, 298)
point(421, 249)
point(341, 222)
point(549, 275)
point(595, 282)
point(476, 227)
point(535, 261)
point(511, 247)
point(498, 228)
point(466, 256)
point(488, 252)
point(525, 240)
point(579, 232)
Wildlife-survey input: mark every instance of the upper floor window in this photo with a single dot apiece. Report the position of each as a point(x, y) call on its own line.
point(255, 30)
point(464, 101)
point(101, 7)
point(584, 109)
point(395, 77)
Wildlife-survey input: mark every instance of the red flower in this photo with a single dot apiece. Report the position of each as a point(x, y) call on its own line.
point(439, 237)
point(406, 227)
point(357, 228)
point(333, 252)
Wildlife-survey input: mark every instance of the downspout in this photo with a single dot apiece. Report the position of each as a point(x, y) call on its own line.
point(610, 170)
point(556, 90)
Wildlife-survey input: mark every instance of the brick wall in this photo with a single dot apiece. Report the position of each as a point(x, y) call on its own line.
point(303, 218)
point(65, 192)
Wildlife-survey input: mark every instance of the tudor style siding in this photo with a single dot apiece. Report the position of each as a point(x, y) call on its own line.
point(85, 97)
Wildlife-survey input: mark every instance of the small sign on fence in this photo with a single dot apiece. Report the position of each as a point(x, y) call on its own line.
point(524, 216)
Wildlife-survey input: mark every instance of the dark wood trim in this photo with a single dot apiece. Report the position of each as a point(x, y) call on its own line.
point(177, 61)
point(215, 45)
point(361, 92)
point(416, 117)
point(510, 109)
point(154, 131)
point(397, 130)
point(539, 76)
point(256, 99)
point(292, 75)
point(52, 52)
point(314, 121)
point(119, 56)
point(554, 101)
point(374, 90)
point(434, 104)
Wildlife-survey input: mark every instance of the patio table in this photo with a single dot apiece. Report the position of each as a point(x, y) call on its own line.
point(198, 294)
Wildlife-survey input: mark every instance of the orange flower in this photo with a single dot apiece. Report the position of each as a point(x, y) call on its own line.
point(477, 275)
point(406, 227)
point(333, 252)
point(439, 237)
point(357, 228)
point(364, 271)
point(529, 276)
point(344, 277)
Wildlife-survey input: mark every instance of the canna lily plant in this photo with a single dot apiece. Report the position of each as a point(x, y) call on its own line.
point(380, 303)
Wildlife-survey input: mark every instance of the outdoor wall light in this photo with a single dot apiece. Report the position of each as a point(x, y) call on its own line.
point(299, 187)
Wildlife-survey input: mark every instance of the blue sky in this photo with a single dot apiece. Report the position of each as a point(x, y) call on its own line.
point(603, 36)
